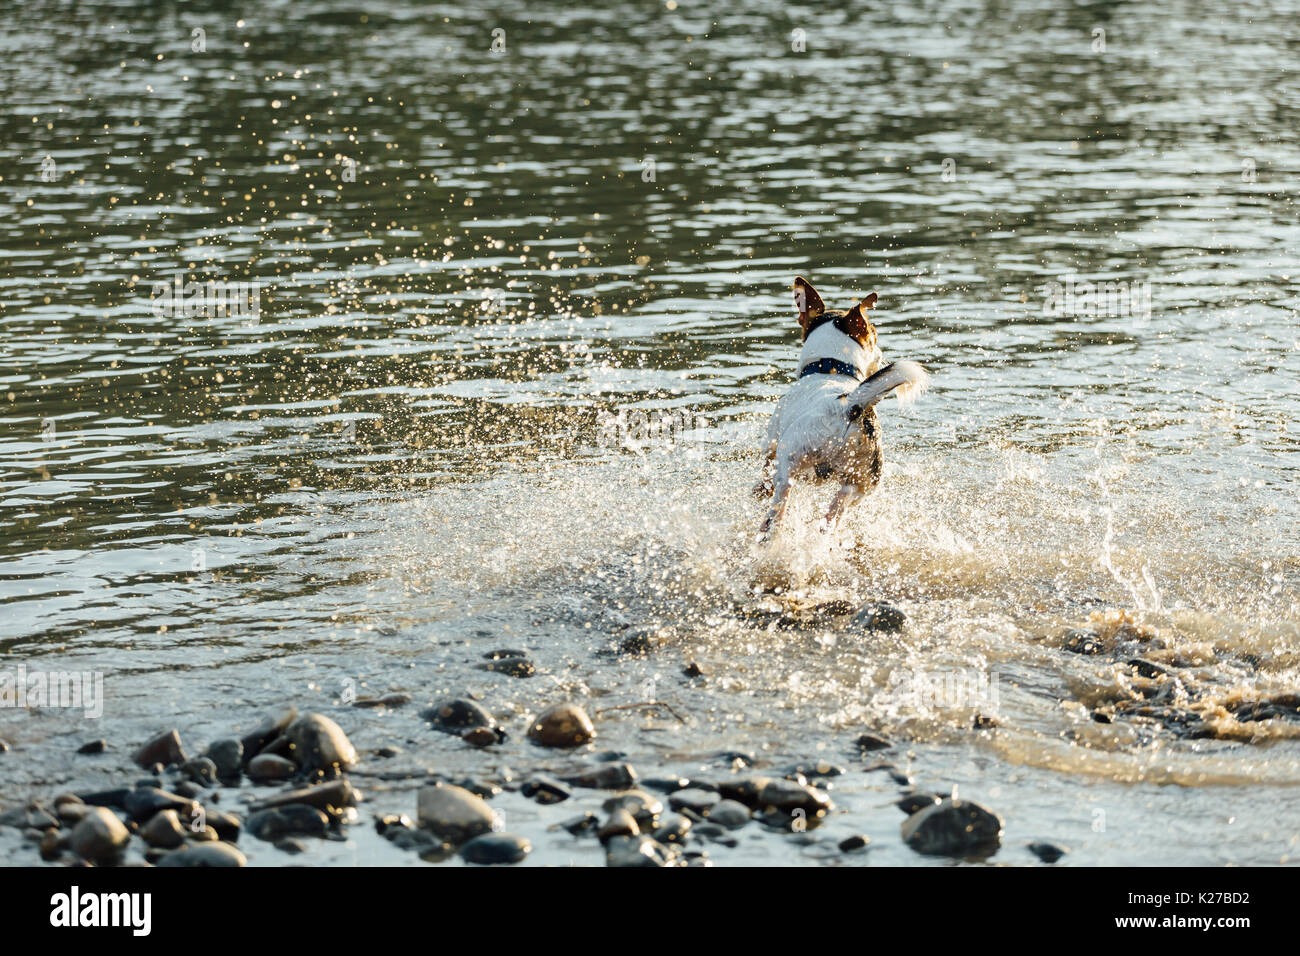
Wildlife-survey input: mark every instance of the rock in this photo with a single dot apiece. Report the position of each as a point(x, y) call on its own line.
point(789, 796)
point(984, 722)
point(715, 833)
point(729, 814)
point(329, 797)
point(319, 745)
point(455, 814)
point(511, 666)
point(226, 825)
point(71, 812)
point(666, 784)
point(545, 790)
point(644, 808)
point(388, 700)
point(203, 834)
point(620, 823)
point(910, 803)
point(880, 617)
point(637, 851)
point(164, 749)
point(457, 715)
point(643, 641)
point(143, 803)
point(189, 790)
point(93, 747)
point(31, 817)
point(295, 819)
point(202, 770)
point(291, 846)
point(868, 742)
point(4, 746)
point(818, 768)
point(52, 844)
point(100, 837)
point(1048, 852)
point(692, 670)
point(580, 824)
point(204, 855)
point(483, 736)
point(693, 799)
point(495, 848)
point(673, 828)
point(953, 828)
point(859, 841)
point(164, 830)
point(564, 725)
point(388, 824)
point(271, 727)
point(1081, 641)
point(612, 776)
point(268, 768)
point(227, 756)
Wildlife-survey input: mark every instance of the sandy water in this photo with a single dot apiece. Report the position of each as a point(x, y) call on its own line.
point(405, 460)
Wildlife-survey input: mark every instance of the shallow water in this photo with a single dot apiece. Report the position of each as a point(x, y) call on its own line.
point(406, 459)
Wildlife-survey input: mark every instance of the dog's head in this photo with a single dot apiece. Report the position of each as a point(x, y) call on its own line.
point(852, 322)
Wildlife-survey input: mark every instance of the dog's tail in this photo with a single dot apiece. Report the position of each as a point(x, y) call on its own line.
point(909, 378)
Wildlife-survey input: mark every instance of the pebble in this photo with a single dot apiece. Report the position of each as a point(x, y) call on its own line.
point(1080, 641)
point(142, 803)
point(666, 784)
point(1048, 852)
point(789, 796)
point(204, 855)
point(612, 776)
point(320, 745)
point(202, 770)
point(717, 834)
point(580, 824)
point(333, 796)
point(455, 814)
point(164, 830)
point(510, 666)
point(457, 715)
point(388, 700)
point(645, 809)
point(290, 845)
point(483, 736)
point(620, 823)
point(545, 790)
point(692, 670)
point(729, 814)
point(859, 841)
point(227, 825)
point(495, 848)
point(694, 799)
point(93, 747)
point(637, 851)
point(910, 803)
point(30, 817)
point(4, 746)
point(269, 729)
point(227, 755)
point(164, 749)
point(268, 768)
point(673, 828)
point(292, 820)
point(819, 768)
point(953, 828)
point(99, 837)
point(564, 725)
point(880, 617)
point(868, 742)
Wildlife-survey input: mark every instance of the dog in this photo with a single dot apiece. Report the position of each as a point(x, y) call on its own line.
point(825, 427)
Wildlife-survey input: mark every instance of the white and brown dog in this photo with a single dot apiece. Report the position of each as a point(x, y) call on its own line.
point(825, 428)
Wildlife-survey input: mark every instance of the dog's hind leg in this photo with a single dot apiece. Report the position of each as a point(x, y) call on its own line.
point(764, 487)
point(780, 498)
point(849, 494)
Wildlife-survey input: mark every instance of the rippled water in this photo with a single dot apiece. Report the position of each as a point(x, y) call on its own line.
point(468, 261)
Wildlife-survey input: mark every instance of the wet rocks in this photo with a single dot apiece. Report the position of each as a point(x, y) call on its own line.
point(643, 807)
point(200, 770)
point(583, 823)
point(142, 803)
point(269, 768)
point(227, 756)
point(564, 725)
point(164, 749)
point(729, 814)
point(673, 829)
point(93, 747)
point(509, 662)
point(294, 819)
point(910, 803)
point(331, 798)
point(620, 824)
point(545, 790)
point(319, 745)
point(215, 854)
point(868, 742)
point(31, 817)
point(637, 851)
point(1048, 852)
point(269, 730)
point(880, 617)
point(1081, 641)
point(859, 841)
point(99, 837)
point(612, 776)
point(454, 814)
point(164, 830)
point(483, 736)
point(457, 715)
point(953, 828)
point(387, 700)
point(495, 848)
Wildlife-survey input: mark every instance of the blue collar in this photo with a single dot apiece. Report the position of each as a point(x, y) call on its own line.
point(829, 366)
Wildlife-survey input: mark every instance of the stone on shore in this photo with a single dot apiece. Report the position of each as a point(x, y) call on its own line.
point(215, 854)
point(637, 851)
point(495, 848)
point(296, 819)
point(953, 828)
point(457, 715)
point(100, 837)
point(228, 756)
point(164, 830)
point(610, 776)
point(880, 617)
point(454, 814)
point(268, 768)
point(1048, 852)
point(319, 744)
point(332, 798)
point(270, 727)
point(564, 725)
point(164, 749)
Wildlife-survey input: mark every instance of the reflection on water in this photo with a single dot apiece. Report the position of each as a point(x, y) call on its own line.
point(466, 263)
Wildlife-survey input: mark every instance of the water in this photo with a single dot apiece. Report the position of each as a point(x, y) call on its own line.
point(467, 262)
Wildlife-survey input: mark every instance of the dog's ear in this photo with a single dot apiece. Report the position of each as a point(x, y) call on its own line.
point(807, 302)
point(855, 323)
